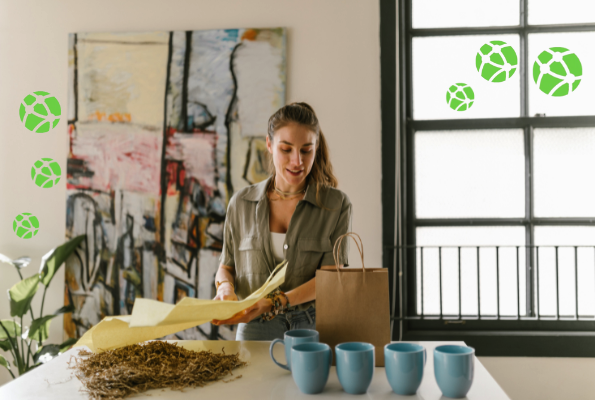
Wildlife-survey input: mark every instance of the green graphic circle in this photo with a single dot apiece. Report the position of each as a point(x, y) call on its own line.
point(25, 225)
point(46, 173)
point(496, 61)
point(40, 112)
point(460, 97)
point(557, 71)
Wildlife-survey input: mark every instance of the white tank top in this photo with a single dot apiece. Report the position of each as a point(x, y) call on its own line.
point(277, 243)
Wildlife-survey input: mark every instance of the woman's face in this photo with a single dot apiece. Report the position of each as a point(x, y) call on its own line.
point(293, 149)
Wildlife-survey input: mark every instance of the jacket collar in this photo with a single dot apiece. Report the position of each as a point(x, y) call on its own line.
point(258, 192)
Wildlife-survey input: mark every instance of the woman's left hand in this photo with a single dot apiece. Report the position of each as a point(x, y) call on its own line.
point(247, 315)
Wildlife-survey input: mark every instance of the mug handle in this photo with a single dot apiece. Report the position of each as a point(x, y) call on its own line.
point(284, 366)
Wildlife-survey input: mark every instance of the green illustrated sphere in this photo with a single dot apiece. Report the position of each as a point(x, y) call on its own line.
point(40, 112)
point(557, 71)
point(460, 97)
point(496, 61)
point(25, 225)
point(46, 173)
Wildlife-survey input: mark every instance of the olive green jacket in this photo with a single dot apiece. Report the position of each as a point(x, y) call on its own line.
point(309, 241)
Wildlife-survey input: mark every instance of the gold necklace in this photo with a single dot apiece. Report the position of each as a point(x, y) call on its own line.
point(287, 195)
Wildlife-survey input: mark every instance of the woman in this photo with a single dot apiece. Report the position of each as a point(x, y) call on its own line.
point(296, 214)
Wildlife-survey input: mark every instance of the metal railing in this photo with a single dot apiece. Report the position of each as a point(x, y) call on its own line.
point(530, 268)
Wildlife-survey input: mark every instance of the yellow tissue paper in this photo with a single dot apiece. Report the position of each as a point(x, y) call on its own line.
point(152, 319)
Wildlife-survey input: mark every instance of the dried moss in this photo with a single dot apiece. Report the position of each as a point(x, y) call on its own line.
point(137, 368)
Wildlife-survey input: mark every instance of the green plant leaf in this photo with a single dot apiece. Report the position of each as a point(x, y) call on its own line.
point(46, 353)
point(52, 260)
point(13, 328)
point(68, 343)
point(65, 310)
point(21, 295)
point(5, 259)
point(40, 326)
point(4, 362)
point(20, 262)
point(5, 344)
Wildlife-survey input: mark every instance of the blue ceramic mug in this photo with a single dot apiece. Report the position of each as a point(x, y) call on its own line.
point(355, 366)
point(404, 364)
point(453, 369)
point(310, 366)
point(291, 338)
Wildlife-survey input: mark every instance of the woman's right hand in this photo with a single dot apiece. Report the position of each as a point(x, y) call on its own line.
point(226, 292)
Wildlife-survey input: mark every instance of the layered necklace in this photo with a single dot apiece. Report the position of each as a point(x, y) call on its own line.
point(286, 195)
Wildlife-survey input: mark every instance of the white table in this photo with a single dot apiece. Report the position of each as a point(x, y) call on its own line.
point(261, 379)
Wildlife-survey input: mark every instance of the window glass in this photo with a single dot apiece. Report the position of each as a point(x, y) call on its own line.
point(464, 13)
point(466, 174)
point(543, 12)
point(481, 173)
point(551, 95)
point(441, 62)
point(564, 172)
point(567, 237)
point(471, 236)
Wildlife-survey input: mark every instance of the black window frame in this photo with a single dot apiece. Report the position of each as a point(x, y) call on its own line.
point(490, 337)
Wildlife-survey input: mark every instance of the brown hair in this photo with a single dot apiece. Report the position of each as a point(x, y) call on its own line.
point(303, 114)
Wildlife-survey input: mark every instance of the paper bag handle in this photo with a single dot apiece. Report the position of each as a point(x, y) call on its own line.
point(337, 248)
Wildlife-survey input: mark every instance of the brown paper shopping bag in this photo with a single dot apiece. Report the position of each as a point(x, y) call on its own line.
point(352, 305)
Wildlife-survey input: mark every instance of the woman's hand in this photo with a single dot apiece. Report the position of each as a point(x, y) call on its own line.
point(226, 292)
point(250, 313)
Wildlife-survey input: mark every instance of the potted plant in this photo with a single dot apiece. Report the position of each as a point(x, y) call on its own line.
point(26, 344)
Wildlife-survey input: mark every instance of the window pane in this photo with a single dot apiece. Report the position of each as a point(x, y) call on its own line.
point(556, 12)
point(541, 98)
point(471, 236)
point(475, 236)
point(564, 172)
point(463, 13)
point(585, 265)
point(466, 174)
point(440, 62)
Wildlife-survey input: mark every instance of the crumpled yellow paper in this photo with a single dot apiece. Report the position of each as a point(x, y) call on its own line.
point(152, 319)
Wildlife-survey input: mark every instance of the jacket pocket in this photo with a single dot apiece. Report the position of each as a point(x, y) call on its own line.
point(251, 256)
point(310, 253)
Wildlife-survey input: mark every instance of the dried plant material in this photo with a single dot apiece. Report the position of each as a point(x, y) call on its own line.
point(136, 368)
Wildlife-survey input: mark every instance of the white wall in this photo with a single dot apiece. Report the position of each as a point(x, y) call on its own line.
point(333, 64)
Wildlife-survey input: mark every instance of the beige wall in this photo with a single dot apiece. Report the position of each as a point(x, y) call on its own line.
point(333, 63)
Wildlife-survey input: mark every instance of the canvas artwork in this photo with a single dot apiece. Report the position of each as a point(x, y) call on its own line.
point(163, 128)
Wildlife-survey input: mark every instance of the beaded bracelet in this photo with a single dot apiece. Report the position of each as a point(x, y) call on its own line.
point(277, 307)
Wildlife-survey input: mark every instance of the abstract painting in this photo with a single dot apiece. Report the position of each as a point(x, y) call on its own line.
point(163, 128)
